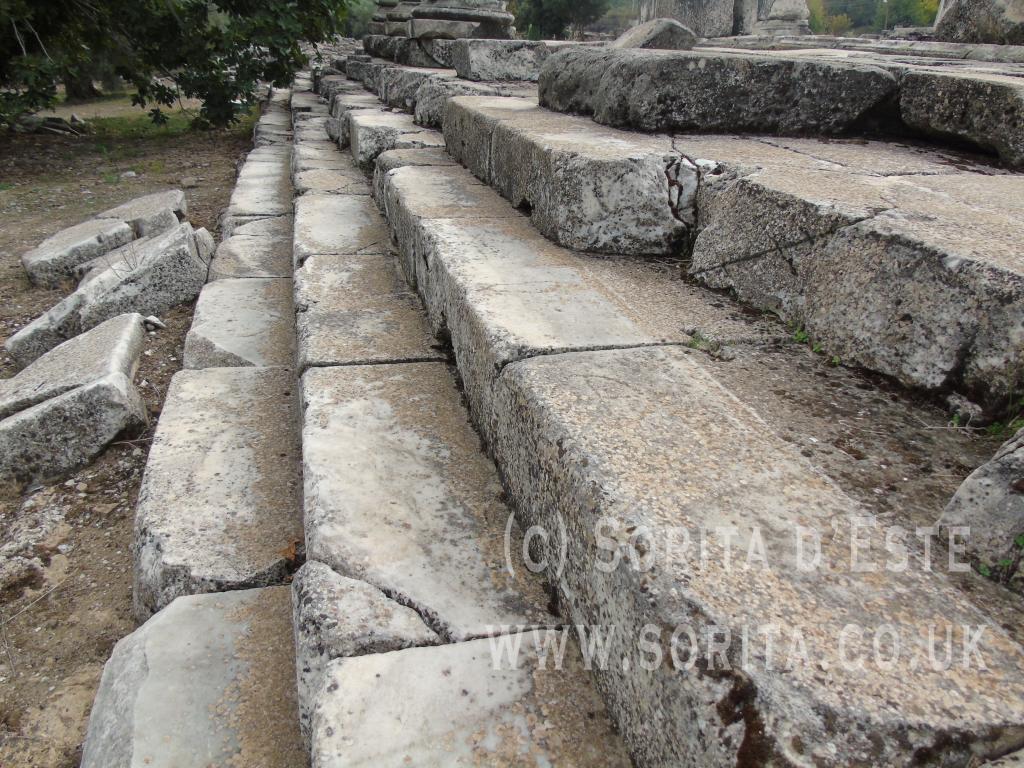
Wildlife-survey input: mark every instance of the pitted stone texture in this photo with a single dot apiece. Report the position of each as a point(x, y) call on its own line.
point(261, 248)
point(397, 87)
point(58, 435)
point(242, 322)
point(208, 681)
point(982, 21)
point(398, 435)
point(502, 59)
point(713, 92)
point(337, 225)
point(587, 187)
point(355, 310)
point(586, 442)
point(399, 158)
point(465, 704)
point(148, 276)
point(318, 155)
point(434, 93)
point(304, 101)
point(990, 505)
point(335, 617)
point(54, 259)
point(372, 132)
point(111, 347)
point(151, 214)
point(219, 508)
point(344, 179)
point(661, 34)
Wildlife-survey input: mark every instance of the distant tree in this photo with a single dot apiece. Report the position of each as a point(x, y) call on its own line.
point(906, 13)
point(217, 52)
point(554, 19)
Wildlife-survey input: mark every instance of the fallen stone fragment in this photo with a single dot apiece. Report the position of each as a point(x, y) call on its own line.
point(208, 681)
point(53, 260)
point(242, 322)
point(466, 704)
point(151, 214)
point(335, 617)
point(261, 248)
point(219, 508)
point(662, 34)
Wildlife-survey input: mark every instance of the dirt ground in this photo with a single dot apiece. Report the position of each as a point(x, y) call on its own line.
point(65, 561)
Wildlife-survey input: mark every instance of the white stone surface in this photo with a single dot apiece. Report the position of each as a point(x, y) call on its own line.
point(337, 225)
point(151, 214)
point(261, 248)
point(53, 260)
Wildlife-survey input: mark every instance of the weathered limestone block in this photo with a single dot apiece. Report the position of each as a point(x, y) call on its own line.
point(358, 310)
point(398, 158)
point(242, 322)
point(210, 680)
point(344, 179)
point(502, 59)
point(708, 18)
point(990, 503)
point(53, 260)
point(584, 441)
point(434, 93)
point(61, 434)
point(262, 189)
point(318, 156)
point(982, 21)
point(398, 435)
point(151, 214)
point(462, 705)
point(397, 87)
point(219, 508)
point(661, 34)
point(335, 617)
point(337, 225)
point(458, 19)
point(305, 101)
point(260, 248)
point(713, 92)
point(372, 132)
point(587, 187)
point(313, 129)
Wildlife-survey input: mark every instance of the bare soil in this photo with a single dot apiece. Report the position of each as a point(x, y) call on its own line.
point(65, 560)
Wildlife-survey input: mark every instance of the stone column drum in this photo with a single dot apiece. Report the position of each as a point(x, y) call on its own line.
point(455, 19)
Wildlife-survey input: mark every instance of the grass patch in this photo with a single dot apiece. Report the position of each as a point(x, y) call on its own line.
point(5, 186)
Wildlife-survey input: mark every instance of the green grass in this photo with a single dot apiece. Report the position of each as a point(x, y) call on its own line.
point(4, 186)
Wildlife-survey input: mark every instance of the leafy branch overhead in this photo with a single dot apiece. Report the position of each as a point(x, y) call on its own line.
point(217, 52)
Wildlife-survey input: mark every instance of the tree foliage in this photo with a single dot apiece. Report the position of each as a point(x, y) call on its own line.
point(555, 19)
point(840, 17)
point(167, 50)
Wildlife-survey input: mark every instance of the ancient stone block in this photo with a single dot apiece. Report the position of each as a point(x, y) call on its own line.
point(662, 34)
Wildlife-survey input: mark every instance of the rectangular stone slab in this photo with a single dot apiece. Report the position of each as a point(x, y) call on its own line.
point(151, 214)
point(371, 132)
point(453, 705)
point(219, 508)
point(356, 310)
point(398, 494)
point(497, 60)
point(261, 248)
point(53, 260)
point(645, 445)
point(337, 225)
point(398, 158)
point(242, 322)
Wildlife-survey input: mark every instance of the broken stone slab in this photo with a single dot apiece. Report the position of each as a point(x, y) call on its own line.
point(398, 158)
point(397, 87)
point(503, 59)
point(465, 704)
point(207, 681)
point(587, 187)
point(661, 34)
point(345, 179)
point(371, 132)
point(151, 214)
point(266, 195)
point(337, 225)
point(981, 21)
point(261, 248)
point(398, 436)
point(358, 311)
point(335, 617)
point(54, 259)
point(110, 347)
point(584, 439)
point(219, 508)
point(148, 277)
point(714, 92)
point(990, 506)
point(242, 322)
point(61, 434)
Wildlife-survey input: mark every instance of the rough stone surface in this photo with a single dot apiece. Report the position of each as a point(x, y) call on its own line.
point(398, 435)
point(372, 132)
point(398, 158)
point(151, 214)
point(219, 508)
point(208, 681)
point(462, 705)
point(358, 310)
point(242, 322)
point(335, 617)
point(982, 21)
point(337, 225)
point(663, 34)
point(586, 442)
point(502, 59)
point(341, 180)
point(53, 260)
point(434, 93)
point(397, 87)
point(111, 347)
point(61, 434)
point(990, 503)
point(261, 248)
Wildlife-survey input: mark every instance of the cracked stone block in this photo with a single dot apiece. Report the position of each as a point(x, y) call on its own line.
point(337, 225)
point(52, 261)
point(398, 435)
point(304, 101)
point(371, 133)
point(465, 704)
point(151, 214)
point(318, 155)
point(345, 179)
point(261, 194)
point(585, 441)
point(261, 248)
point(398, 158)
point(358, 310)
point(210, 680)
point(111, 347)
point(497, 60)
point(335, 617)
point(242, 322)
point(220, 503)
point(398, 86)
point(148, 276)
point(587, 187)
point(61, 434)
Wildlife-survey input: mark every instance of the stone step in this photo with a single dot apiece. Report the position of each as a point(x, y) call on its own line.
point(317, 233)
point(496, 60)
point(263, 187)
point(220, 504)
point(260, 249)
point(210, 680)
point(242, 322)
point(371, 132)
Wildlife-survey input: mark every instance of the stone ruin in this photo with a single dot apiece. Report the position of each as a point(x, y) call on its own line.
point(484, 303)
